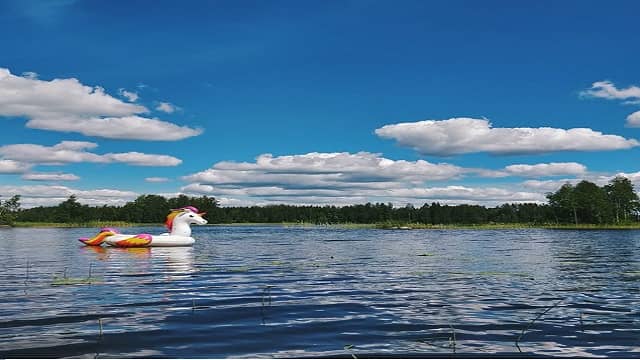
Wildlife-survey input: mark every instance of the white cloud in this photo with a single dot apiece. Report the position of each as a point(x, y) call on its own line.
point(633, 177)
point(13, 167)
point(132, 96)
point(633, 120)
point(550, 169)
point(50, 177)
point(533, 170)
point(545, 186)
point(607, 90)
point(75, 152)
point(231, 202)
point(325, 169)
point(166, 107)
point(140, 159)
point(156, 179)
point(47, 195)
point(69, 106)
point(127, 127)
point(346, 178)
point(471, 194)
point(20, 96)
point(467, 135)
point(399, 196)
point(598, 179)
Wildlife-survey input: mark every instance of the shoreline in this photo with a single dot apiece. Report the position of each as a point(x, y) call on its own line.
point(399, 227)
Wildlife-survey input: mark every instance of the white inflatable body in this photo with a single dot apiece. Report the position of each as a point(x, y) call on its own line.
point(163, 240)
point(178, 223)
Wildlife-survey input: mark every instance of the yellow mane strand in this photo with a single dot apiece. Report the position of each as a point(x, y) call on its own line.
point(170, 217)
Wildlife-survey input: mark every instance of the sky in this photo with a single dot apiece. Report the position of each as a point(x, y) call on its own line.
point(316, 102)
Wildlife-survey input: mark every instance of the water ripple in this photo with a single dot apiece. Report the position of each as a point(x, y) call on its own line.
point(322, 292)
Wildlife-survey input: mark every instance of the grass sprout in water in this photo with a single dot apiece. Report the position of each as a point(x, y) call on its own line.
point(64, 280)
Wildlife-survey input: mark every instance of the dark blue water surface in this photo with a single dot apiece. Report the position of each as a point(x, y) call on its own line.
point(323, 292)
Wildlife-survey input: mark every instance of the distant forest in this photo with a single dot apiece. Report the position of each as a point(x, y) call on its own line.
point(583, 203)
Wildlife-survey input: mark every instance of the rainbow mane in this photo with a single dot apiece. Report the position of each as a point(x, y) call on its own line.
point(175, 212)
point(169, 222)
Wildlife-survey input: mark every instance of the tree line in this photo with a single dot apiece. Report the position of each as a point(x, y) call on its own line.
point(583, 203)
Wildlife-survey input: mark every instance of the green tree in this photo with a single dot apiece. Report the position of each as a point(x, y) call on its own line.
point(9, 210)
point(591, 203)
point(69, 210)
point(563, 201)
point(622, 196)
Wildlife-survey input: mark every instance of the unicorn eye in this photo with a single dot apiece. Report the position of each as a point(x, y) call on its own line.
point(190, 215)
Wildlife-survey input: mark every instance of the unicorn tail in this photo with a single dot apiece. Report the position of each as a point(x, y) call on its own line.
point(98, 239)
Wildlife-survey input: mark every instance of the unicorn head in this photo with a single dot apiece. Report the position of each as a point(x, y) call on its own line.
point(179, 220)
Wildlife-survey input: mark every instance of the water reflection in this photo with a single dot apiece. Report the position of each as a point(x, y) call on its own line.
point(170, 262)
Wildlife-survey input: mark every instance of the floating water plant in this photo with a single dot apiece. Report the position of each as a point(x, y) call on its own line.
point(430, 341)
point(502, 273)
point(64, 280)
point(240, 269)
point(349, 348)
point(631, 273)
point(59, 281)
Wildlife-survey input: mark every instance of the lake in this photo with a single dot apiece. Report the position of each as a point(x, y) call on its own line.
point(261, 291)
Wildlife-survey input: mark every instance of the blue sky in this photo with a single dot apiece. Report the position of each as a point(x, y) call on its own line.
point(302, 80)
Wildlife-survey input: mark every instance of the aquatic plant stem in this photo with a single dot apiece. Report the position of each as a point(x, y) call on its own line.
point(26, 279)
point(453, 336)
point(533, 321)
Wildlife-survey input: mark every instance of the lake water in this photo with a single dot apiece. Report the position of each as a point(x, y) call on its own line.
point(323, 292)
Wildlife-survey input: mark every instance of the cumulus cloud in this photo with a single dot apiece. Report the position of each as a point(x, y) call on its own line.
point(140, 159)
point(42, 176)
point(467, 135)
point(607, 90)
point(633, 120)
point(347, 178)
point(324, 169)
point(47, 195)
point(550, 169)
point(634, 177)
point(545, 186)
point(126, 127)
point(132, 96)
point(76, 152)
point(156, 179)
point(13, 167)
point(166, 107)
point(68, 105)
point(598, 179)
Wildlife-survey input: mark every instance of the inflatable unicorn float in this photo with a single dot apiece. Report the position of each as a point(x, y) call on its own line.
point(178, 222)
